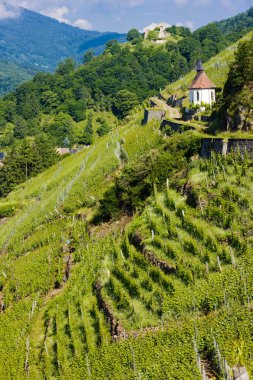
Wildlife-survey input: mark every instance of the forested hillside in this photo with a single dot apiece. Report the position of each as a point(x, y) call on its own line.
point(214, 37)
point(11, 76)
point(238, 23)
point(124, 75)
point(36, 43)
point(40, 42)
point(236, 106)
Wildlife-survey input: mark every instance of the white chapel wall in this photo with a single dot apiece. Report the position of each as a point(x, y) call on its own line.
point(198, 96)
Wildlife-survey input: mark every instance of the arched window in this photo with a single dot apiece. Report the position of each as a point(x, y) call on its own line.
point(197, 96)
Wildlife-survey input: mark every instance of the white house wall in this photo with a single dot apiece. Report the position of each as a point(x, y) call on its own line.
point(206, 96)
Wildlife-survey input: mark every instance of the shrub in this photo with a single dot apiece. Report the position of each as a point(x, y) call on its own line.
point(109, 207)
point(8, 209)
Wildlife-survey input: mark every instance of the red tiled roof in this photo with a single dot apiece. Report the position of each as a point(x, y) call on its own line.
point(201, 80)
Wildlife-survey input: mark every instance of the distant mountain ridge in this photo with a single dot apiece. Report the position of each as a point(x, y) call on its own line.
point(34, 43)
point(38, 42)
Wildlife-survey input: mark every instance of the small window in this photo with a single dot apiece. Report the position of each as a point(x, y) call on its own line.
point(197, 96)
point(212, 96)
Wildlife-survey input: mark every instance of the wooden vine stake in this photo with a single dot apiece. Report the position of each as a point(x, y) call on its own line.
point(219, 264)
point(27, 355)
point(88, 367)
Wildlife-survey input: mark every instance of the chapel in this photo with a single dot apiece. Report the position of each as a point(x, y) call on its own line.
point(201, 90)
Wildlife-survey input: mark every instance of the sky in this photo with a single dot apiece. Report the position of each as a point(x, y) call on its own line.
point(122, 15)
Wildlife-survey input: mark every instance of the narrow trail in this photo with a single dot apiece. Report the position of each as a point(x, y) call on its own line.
point(173, 113)
point(3, 221)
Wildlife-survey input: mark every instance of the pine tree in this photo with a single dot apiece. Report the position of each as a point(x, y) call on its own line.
point(88, 132)
point(46, 150)
point(26, 159)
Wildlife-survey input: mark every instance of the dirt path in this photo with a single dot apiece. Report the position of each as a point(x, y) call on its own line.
point(172, 112)
point(3, 221)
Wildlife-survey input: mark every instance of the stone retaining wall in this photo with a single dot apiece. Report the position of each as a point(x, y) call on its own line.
point(176, 127)
point(153, 114)
point(222, 146)
point(241, 145)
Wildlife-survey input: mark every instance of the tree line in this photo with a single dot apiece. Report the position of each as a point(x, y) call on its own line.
point(26, 159)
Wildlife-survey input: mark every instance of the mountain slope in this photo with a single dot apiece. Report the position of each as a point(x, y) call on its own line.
point(150, 298)
point(114, 81)
point(238, 23)
point(40, 42)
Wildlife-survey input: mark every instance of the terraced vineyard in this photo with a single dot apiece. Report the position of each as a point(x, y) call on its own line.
point(178, 280)
point(165, 293)
point(42, 244)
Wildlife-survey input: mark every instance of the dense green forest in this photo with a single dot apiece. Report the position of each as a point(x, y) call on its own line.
point(25, 160)
point(235, 109)
point(11, 75)
point(211, 39)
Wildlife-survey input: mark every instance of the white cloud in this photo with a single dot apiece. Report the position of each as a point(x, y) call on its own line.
point(189, 24)
point(82, 23)
point(58, 14)
point(7, 12)
point(27, 5)
point(61, 14)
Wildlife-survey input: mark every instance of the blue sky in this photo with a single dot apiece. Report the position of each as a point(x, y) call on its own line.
point(121, 15)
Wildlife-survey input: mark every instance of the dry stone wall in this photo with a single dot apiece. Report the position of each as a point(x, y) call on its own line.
point(241, 146)
point(222, 146)
point(176, 127)
point(153, 114)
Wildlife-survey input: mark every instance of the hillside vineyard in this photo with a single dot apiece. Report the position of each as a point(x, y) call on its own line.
point(126, 243)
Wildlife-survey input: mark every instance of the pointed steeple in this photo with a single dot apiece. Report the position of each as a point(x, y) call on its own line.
point(201, 80)
point(199, 65)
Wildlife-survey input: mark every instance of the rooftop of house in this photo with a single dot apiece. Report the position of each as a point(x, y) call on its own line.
point(201, 80)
